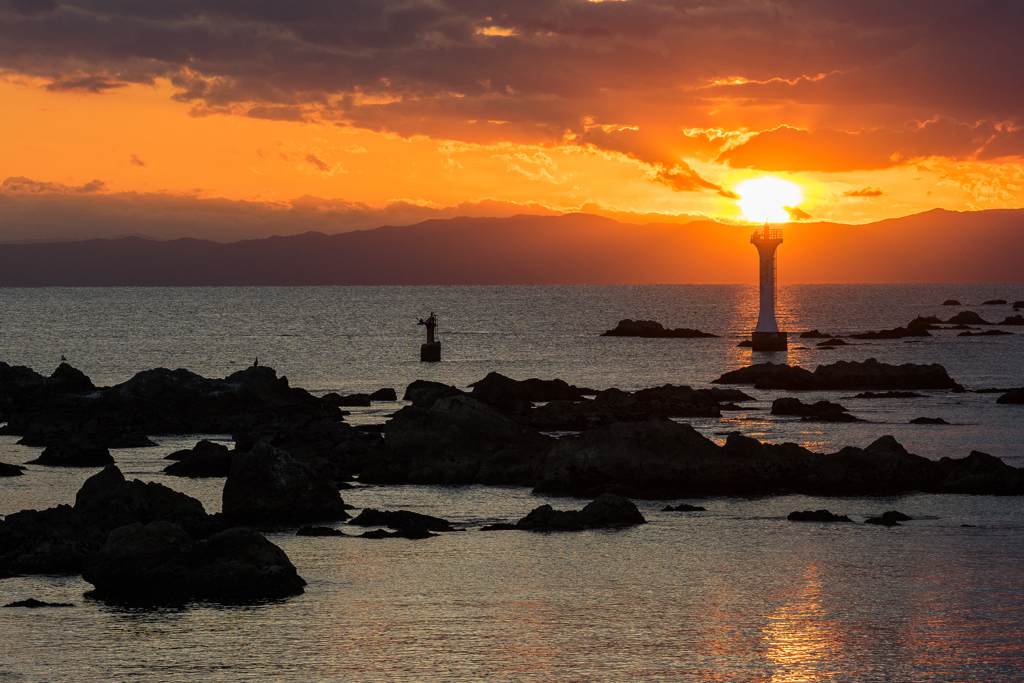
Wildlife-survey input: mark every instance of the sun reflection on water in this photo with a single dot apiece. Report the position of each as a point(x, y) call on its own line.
point(799, 639)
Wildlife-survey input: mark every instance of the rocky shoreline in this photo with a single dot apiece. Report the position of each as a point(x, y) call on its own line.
point(293, 453)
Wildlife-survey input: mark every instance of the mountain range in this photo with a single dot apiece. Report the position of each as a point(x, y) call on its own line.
point(935, 246)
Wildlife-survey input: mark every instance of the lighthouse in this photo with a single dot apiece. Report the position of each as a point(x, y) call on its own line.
point(767, 336)
point(431, 351)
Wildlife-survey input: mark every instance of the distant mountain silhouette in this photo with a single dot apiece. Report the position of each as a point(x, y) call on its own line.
point(936, 246)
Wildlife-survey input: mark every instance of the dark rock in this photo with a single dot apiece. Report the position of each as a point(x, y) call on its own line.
point(74, 454)
point(508, 395)
point(824, 411)
point(890, 518)
point(160, 562)
point(423, 393)
point(994, 302)
point(652, 329)
point(895, 333)
point(1018, 304)
point(457, 440)
point(11, 470)
point(684, 507)
point(986, 333)
point(412, 532)
point(928, 421)
point(979, 474)
point(817, 516)
point(206, 459)
point(333, 449)
point(967, 318)
point(607, 510)
point(1013, 320)
point(614, 405)
point(951, 302)
point(268, 486)
point(400, 519)
point(746, 344)
point(961, 327)
point(869, 374)
point(33, 603)
point(385, 394)
point(352, 400)
point(889, 394)
point(814, 334)
point(1015, 397)
point(60, 539)
point(930, 322)
point(883, 468)
point(318, 531)
point(835, 341)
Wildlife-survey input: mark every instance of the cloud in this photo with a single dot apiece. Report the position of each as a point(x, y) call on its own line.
point(35, 210)
point(796, 213)
point(136, 161)
point(547, 67)
point(22, 185)
point(786, 148)
point(866, 192)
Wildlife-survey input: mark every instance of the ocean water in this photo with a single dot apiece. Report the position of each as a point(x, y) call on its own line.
point(733, 594)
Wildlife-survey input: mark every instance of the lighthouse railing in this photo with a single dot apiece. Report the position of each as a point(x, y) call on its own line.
point(773, 234)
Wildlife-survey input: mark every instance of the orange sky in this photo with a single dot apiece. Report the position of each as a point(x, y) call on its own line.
point(399, 111)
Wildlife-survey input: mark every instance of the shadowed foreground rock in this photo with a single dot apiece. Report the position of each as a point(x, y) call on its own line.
point(160, 562)
point(1012, 397)
point(671, 460)
point(268, 486)
point(869, 374)
point(457, 440)
point(607, 510)
point(7, 470)
point(59, 540)
point(206, 459)
point(32, 603)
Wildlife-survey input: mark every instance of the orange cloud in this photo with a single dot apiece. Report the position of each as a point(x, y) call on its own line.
point(866, 192)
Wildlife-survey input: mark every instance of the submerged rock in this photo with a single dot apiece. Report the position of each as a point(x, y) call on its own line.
point(74, 454)
point(607, 510)
point(652, 329)
point(895, 333)
point(890, 518)
point(994, 302)
point(817, 516)
point(815, 334)
point(823, 411)
point(928, 421)
point(684, 507)
point(318, 531)
point(400, 519)
point(160, 562)
point(32, 603)
point(268, 486)
point(986, 333)
point(1013, 320)
point(951, 302)
point(413, 532)
point(889, 394)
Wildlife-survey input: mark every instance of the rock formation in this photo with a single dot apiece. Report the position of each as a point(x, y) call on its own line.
point(655, 330)
point(606, 511)
point(869, 374)
point(821, 411)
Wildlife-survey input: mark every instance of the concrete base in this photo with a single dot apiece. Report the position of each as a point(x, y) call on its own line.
point(430, 353)
point(769, 341)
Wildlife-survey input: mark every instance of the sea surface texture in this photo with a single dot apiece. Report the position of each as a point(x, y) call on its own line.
point(737, 593)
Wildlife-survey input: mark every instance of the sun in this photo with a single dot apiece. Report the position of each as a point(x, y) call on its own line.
point(765, 198)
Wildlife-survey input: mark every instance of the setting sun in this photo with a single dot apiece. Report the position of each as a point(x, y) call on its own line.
point(766, 198)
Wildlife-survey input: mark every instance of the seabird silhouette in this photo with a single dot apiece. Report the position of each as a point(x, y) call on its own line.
point(256, 362)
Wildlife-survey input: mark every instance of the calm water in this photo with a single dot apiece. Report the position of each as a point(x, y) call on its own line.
point(734, 594)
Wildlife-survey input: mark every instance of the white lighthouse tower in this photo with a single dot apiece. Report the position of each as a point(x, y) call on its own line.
point(767, 336)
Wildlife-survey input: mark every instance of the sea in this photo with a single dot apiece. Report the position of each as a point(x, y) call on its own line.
point(736, 593)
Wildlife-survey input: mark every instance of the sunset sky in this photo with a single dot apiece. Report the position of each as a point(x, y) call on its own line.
point(242, 117)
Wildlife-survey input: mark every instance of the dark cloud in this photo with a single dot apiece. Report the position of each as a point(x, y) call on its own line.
point(35, 210)
point(548, 67)
point(22, 185)
point(866, 192)
point(315, 161)
point(136, 161)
